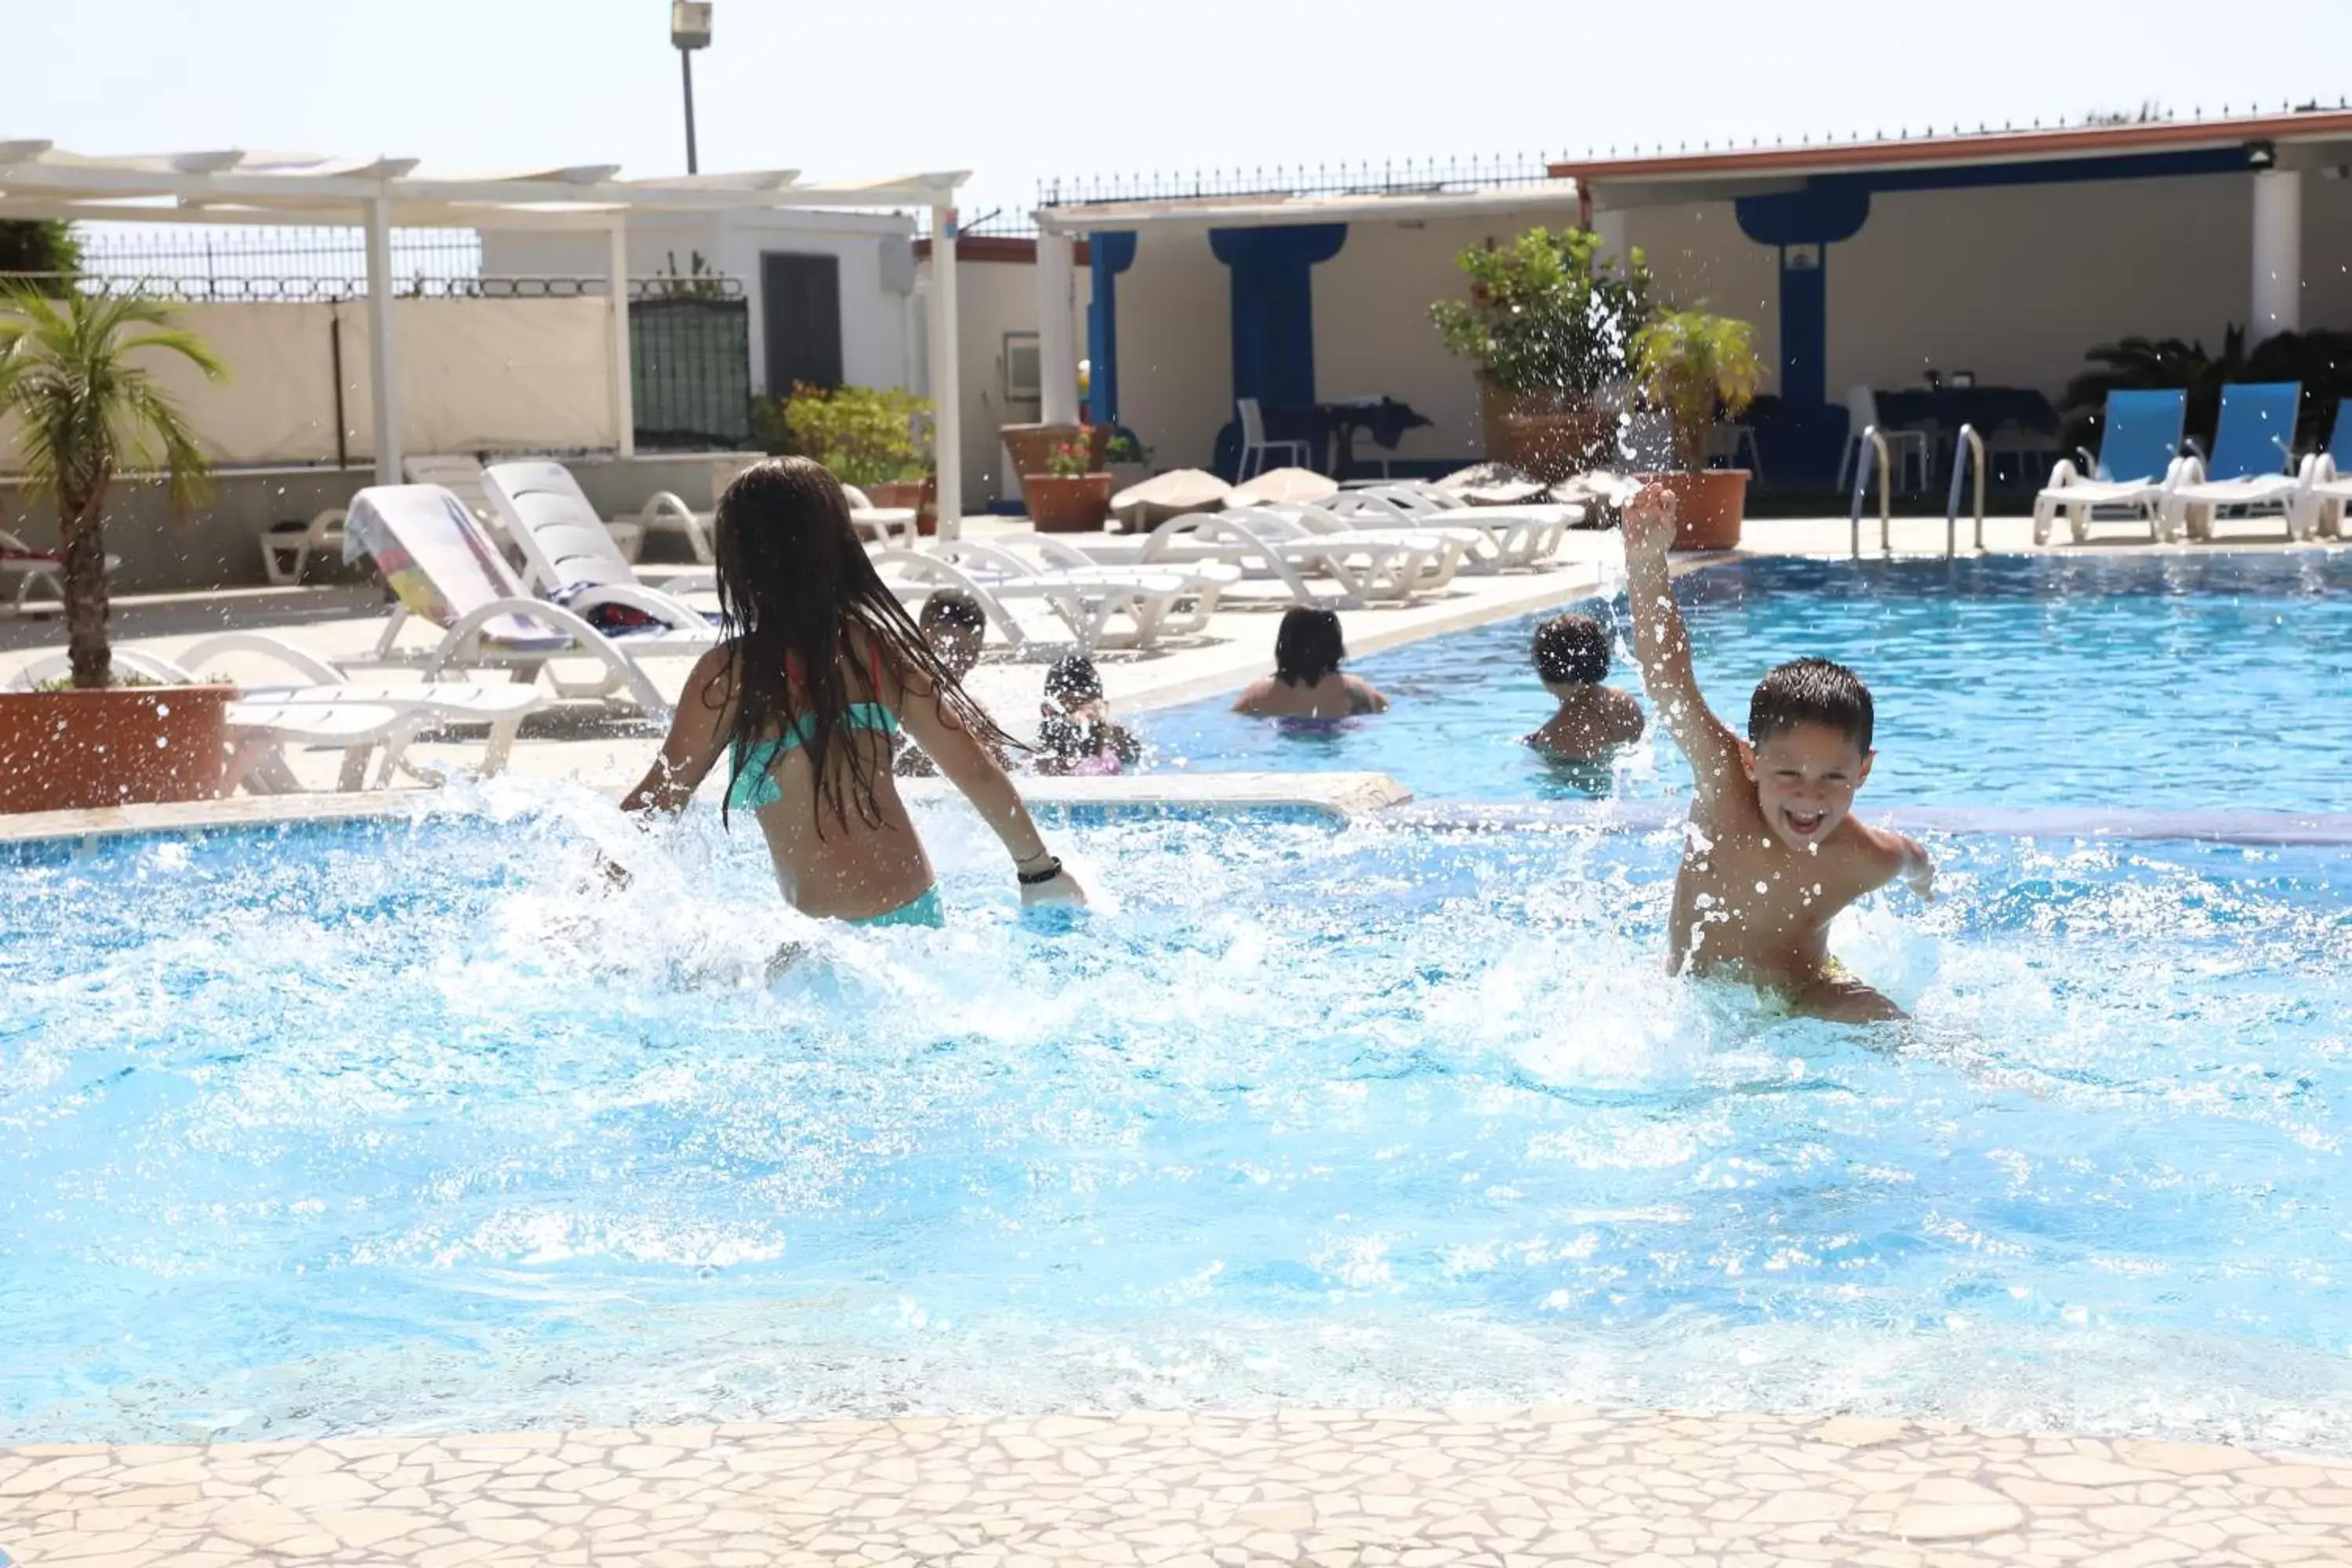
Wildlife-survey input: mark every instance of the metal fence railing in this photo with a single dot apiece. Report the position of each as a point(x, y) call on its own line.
point(690, 370)
point(1386, 177)
point(217, 253)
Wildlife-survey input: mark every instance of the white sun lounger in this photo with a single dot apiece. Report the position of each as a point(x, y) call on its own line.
point(36, 568)
point(1267, 545)
point(2323, 489)
point(446, 574)
point(2247, 476)
point(569, 556)
point(1495, 539)
point(2137, 466)
point(1155, 604)
point(306, 701)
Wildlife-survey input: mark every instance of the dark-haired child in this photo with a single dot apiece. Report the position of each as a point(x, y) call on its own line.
point(1571, 660)
point(1076, 733)
point(1772, 852)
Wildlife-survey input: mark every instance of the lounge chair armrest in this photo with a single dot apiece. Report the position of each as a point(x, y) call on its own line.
point(304, 663)
point(653, 602)
point(664, 504)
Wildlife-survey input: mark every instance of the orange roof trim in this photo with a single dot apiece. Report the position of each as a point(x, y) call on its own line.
point(1979, 147)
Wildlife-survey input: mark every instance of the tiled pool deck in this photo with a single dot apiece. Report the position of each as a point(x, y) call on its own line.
point(1410, 1487)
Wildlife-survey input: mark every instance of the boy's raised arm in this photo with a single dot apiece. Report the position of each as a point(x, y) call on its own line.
point(1661, 643)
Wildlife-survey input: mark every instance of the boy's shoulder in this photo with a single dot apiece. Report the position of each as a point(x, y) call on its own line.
point(1866, 855)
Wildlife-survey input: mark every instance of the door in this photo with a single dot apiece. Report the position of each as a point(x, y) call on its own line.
point(800, 301)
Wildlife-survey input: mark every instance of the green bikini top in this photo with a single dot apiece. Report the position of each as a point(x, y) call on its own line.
point(754, 785)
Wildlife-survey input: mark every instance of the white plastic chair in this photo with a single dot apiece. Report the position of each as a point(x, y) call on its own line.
point(1724, 443)
point(570, 556)
point(36, 568)
point(1907, 450)
point(286, 547)
point(461, 476)
point(1256, 444)
point(446, 574)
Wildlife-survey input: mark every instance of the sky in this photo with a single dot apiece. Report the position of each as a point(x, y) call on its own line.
point(1020, 91)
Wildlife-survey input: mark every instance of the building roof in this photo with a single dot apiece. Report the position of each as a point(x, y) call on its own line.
point(38, 179)
point(2299, 138)
point(1279, 208)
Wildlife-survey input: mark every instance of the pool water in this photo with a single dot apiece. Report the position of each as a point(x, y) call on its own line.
point(410, 1127)
point(2158, 681)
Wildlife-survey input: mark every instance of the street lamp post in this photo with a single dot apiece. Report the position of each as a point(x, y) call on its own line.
point(690, 29)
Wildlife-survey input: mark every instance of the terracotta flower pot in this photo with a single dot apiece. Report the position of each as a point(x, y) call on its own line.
point(1708, 507)
point(1556, 447)
point(77, 750)
point(917, 496)
point(1031, 444)
point(1078, 504)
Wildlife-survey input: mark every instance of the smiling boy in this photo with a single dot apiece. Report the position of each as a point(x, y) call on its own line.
point(1772, 852)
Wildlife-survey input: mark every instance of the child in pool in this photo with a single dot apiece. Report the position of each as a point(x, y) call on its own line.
point(1772, 852)
point(1308, 682)
point(1075, 731)
point(956, 628)
point(1571, 658)
point(817, 671)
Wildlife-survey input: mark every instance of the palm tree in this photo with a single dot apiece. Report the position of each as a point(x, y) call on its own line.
point(87, 413)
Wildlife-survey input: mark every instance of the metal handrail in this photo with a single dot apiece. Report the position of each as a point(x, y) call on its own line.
point(1967, 451)
point(1873, 450)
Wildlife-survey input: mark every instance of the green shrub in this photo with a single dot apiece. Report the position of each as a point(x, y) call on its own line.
point(864, 436)
point(1547, 314)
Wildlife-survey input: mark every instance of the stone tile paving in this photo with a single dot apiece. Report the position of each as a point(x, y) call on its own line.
point(1406, 1487)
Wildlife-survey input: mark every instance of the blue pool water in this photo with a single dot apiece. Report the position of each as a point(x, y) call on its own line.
point(2174, 681)
point(403, 1127)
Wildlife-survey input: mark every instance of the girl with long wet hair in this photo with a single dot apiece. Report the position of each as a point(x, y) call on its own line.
point(817, 669)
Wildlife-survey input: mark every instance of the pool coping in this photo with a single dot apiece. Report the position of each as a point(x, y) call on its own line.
point(1363, 797)
point(1341, 795)
point(1188, 1489)
point(2122, 823)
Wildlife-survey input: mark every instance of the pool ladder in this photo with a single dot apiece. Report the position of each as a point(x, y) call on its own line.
point(1968, 462)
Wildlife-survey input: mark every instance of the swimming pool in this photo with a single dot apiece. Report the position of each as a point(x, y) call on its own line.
point(394, 1127)
point(2212, 680)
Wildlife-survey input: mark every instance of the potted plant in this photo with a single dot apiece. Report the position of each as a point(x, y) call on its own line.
point(869, 437)
point(1695, 366)
point(1072, 495)
point(87, 409)
point(1547, 322)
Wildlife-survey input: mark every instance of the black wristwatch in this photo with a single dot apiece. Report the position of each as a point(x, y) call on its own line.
point(1039, 878)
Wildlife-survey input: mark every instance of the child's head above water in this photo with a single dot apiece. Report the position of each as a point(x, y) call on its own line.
point(1072, 681)
point(1571, 650)
point(953, 623)
point(1307, 646)
point(1809, 733)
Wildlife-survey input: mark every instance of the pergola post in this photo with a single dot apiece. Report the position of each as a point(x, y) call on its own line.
point(2277, 305)
point(625, 410)
point(383, 372)
point(1057, 343)
point(946, 382)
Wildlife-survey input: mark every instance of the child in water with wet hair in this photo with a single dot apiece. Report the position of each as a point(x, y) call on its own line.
point(1772, 851)
point(1075, 731)
point(1571, 658)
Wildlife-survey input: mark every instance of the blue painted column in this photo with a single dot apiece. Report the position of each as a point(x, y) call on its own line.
point(1273, 311)
point(1109, 255)
point(1803, 225)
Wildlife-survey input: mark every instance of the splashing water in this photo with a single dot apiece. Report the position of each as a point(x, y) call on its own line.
point(417, 1126)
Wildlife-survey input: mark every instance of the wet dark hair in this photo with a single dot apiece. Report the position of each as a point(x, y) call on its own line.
point(805, 618)
point(1307, 646)
point(1811, 691)
point(1572, 650)
point(954, 607)
point(1074, 679)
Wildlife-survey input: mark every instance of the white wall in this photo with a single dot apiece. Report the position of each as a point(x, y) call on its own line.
point(1698, 254)
point(1373, 336)
point(995, 296)
point(2326, 252)
point(1176, 347)
point(875, 346)
point(2015, 282)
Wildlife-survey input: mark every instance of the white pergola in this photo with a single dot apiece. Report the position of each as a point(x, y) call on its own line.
point(39, 180)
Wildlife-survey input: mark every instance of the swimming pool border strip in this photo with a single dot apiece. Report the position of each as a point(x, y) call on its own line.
point(1340, 796)
point(2324, 829)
